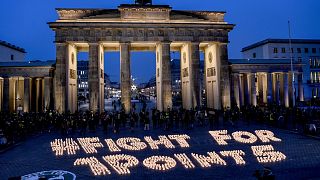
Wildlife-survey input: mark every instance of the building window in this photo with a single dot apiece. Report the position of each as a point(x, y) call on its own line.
point(275, 50)
point(306, 50)
point(314, 50)
point(12, 57)
point(299, 59)
point(254, 55)
point(283, 50)
point(299, 50)
point(292, 50)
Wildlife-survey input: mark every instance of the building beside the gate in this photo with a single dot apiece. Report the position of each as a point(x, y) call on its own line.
point(306, 51)
point(26, 86)
point(266, 81)
point(11, 53)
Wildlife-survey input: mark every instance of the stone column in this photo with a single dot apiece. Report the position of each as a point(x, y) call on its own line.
point(1, 94)
point(276, 88)
point(6, 91)
point(264, 82)
point(19, 93)
point(236, 93)
point(72, 82)
point(241, 90)
point(224, 76)
point(262, 98)
point(212, 71)
point(253, 89)
point(163, 76)
point(125, 76)
point(27, 94)
point(186, 77)
point(195, 66)
point(12, 94)
point(96, 77)
point(47, 92)
point(300, 87)
point(269, 88)
point(247, 88)
point(60, 77)
point(38, 109)
point(285, 90)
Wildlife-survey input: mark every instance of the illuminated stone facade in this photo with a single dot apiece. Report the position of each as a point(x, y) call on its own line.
point(142, 28)
point(26, 86)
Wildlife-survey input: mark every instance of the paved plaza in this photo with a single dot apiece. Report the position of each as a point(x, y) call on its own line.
point(302, 156)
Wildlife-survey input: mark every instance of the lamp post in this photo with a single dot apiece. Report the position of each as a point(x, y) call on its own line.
point(291, 63)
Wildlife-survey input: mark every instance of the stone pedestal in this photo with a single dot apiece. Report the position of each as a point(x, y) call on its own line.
point(163, 76)
point(125, 76)
point(96, 77)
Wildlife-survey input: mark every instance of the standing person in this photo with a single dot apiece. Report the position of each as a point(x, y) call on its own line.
point(153, 117)
point(105, 122)
point(83, 126)
point(114, 105)
point(117, 123)
point(141, 118)
point(146, 122)
point(132, 121)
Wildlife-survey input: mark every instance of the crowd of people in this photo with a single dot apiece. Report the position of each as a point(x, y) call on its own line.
point(16, 127)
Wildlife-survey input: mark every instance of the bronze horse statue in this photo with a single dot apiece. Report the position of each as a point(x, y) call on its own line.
point(143, 2)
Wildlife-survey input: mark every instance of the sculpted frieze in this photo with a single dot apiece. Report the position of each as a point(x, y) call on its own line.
point(147, 34)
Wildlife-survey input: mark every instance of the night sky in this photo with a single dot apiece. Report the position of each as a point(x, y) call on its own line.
point(23, 23)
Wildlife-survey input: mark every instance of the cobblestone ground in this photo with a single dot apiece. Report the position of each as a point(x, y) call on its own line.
point(303, 156)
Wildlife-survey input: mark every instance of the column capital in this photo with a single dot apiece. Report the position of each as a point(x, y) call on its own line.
point(61, 43)
point(164, 42)
point(47, 77)
point(195, 43)
point(94, 43)
point(125, 42)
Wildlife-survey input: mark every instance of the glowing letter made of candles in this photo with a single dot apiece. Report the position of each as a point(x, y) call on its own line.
point(97, 168)
point(220, 136)
point(121, 162)
point(266, 154)
point(162, 140)
point(132, 144)
point(89, 145)
point(266, 136)
point(206, 161)
point(181, 140)
point(69, 145)
point(236, 155)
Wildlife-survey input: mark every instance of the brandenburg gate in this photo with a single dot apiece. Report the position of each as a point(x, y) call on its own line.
point(136, 27)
